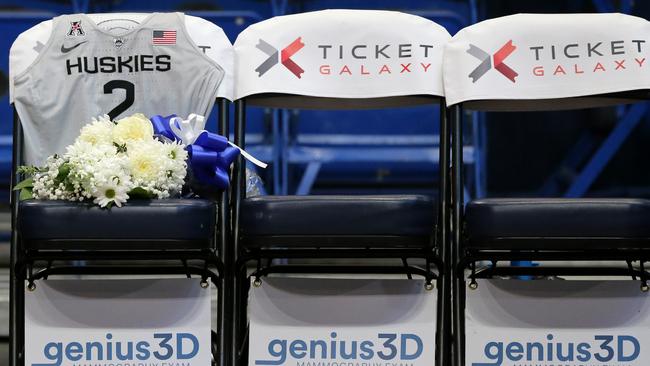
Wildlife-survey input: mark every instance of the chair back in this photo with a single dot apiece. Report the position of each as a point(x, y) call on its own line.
point(549, 61)
point(339, 59)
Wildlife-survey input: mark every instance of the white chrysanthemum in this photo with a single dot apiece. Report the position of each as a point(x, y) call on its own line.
point(176, 159)
point(176, 151)
point(83, 150)
point(111, 192)
point(135, 128)
point(98, 132)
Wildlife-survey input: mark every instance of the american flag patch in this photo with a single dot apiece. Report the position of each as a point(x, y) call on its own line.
point(164, 37)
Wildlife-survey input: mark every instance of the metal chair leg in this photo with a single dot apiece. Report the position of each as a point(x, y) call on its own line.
point(241, 319)
point(631, 269)
point(406, 264)
point(644, 277)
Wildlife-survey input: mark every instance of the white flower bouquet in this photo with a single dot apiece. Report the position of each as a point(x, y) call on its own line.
point(109, 163)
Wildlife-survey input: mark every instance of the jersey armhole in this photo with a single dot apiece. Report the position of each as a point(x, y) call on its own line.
point(222, 48)
point(184, 18)
point(33, 34)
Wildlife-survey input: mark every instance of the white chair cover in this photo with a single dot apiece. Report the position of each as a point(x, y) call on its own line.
point(549, 61)
point(345, 58)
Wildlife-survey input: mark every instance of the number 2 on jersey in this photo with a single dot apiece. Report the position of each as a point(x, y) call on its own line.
point(128, 87)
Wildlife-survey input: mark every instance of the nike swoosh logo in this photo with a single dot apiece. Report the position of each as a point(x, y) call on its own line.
point(65, 49)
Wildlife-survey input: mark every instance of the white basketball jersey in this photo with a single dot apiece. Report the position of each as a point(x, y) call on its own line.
point(84, 71)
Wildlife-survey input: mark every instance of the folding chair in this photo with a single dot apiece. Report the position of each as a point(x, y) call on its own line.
point(339, 59)
point(532, 62)
point(184, 236)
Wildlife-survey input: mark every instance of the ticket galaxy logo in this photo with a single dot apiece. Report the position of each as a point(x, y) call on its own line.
point(161, 349)
point(386, 349)
point(598, 350)
point(601, 57)
point(344, 60)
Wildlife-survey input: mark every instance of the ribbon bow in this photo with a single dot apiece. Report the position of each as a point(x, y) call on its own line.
point(209, 154)
point(187, 130)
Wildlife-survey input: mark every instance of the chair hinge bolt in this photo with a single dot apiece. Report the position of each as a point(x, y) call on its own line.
point(473, 285)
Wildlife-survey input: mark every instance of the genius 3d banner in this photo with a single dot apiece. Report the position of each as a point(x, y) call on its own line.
point(557, 323)
point(118, 323)
point(341, 322)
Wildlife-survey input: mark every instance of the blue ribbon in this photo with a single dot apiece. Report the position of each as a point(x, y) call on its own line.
point(161, 126)
point(210, 156)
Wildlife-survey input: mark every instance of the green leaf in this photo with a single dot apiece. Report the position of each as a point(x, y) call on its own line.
point(120, 148)
point(27, 183)
point(64, 170)
point(140, 193)
point(26, 194)
point(30, 170)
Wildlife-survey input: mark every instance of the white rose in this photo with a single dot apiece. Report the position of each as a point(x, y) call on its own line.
point(133, 129)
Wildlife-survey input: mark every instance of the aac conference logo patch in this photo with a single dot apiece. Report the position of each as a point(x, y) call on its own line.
point(486, 62)
point(284, 57)
point(76, 29)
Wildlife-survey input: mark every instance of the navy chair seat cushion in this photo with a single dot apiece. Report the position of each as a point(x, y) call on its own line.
point(156, 224)
point(323, 219)
point(558, 223)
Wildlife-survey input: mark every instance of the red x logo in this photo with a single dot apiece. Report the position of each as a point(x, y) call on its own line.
point(501, 55)
point(486, 61)
point(285, 57)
